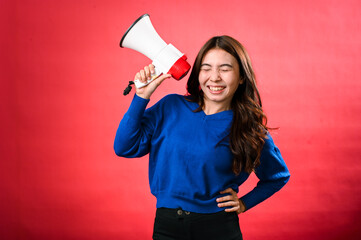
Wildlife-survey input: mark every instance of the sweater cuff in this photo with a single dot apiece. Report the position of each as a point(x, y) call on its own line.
point(137, 107)
point(247, 201)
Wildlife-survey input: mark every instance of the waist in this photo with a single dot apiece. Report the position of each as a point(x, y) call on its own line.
point(191, 204)
point(176, 213)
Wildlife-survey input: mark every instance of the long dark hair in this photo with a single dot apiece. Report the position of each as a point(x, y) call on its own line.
point(248, 129)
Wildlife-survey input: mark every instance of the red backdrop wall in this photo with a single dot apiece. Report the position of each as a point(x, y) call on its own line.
point(62, 77)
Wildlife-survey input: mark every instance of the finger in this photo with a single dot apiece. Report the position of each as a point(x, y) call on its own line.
point(151, 68)
point(137, 76)
point(147, 72)
point(228, 204)
point(234, 209)
point(225, 198)
point(228, 190)
point(161, 78)
point(142, 76)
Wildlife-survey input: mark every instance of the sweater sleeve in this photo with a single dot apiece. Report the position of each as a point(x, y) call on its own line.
point(134, 133)
point(272, 173)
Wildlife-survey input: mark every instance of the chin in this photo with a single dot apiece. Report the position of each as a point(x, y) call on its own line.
point(216, 98)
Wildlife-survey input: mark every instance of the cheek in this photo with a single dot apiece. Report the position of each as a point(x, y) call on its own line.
point(202, 77)
point(233, 84)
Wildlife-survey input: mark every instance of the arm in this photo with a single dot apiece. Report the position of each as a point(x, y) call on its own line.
point(135, 129)
point(273, 174)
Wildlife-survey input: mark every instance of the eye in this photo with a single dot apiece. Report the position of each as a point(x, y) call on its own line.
point(205, 69)
point(227, 69)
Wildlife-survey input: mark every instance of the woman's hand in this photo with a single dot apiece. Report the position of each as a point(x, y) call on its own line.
point(232, 201)
point(144, 75)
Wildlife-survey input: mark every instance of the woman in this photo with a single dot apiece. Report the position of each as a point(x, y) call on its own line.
point(204, 145)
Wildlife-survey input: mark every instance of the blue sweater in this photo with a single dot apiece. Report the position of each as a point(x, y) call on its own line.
point(189, 163)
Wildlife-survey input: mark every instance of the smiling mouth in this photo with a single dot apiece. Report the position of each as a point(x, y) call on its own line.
point(216, 89)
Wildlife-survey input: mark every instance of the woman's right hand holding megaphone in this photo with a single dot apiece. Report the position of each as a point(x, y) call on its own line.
point(143, 76)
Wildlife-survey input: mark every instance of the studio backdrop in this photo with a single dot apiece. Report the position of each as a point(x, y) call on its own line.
point(63, 75)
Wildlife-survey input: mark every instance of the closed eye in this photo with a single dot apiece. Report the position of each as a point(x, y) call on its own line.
point(225, 69)
point(206, 67)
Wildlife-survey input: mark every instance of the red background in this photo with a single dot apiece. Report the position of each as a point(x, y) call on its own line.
point(62, 77)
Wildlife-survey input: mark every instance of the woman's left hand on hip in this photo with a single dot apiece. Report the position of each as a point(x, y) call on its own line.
point(231, 201)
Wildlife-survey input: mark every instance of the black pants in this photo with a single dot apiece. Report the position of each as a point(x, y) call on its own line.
point(177, 224)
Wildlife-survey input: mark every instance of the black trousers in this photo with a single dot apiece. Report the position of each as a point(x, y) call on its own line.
point(177, 224)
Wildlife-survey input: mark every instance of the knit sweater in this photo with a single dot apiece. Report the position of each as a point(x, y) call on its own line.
point(190, 161)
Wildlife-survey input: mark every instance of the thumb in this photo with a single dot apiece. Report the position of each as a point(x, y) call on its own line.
point(161, 78)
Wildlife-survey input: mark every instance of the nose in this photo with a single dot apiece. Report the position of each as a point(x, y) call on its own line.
point(214, 76)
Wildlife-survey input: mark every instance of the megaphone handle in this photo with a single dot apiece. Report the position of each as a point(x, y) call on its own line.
point(156, 74)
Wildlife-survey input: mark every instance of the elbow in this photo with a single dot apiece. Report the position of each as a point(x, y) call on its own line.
point(121, 147)
point(119, 150)
point(287, 177)
point(129, 148)
point(283, 178)
point(124, 150)
point(283, 181)
point(280, 182)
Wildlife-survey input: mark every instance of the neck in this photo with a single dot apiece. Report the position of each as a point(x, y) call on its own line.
point(213, 107)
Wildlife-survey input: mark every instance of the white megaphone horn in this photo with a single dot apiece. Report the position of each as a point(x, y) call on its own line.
point(142, 37)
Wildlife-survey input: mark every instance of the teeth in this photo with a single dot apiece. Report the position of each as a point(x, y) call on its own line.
point(216, 88)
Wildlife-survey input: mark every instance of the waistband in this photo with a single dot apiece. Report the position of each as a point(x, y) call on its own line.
point(180, 213)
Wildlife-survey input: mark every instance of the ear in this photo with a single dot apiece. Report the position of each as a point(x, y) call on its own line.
point(241, 81)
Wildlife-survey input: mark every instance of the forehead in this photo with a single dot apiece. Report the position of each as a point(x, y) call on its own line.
point(217, 56)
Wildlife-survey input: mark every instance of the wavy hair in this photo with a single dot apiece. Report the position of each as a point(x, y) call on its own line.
point(248, 129)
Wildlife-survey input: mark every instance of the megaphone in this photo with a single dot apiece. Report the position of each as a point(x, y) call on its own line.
point(142, 37)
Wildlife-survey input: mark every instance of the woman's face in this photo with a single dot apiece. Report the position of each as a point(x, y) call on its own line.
point(219, 77)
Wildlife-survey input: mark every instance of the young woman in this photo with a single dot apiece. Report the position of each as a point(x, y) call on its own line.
point(204, 145)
